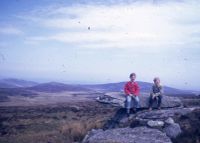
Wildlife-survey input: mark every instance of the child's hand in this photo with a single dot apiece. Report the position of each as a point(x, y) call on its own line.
point(131, 95)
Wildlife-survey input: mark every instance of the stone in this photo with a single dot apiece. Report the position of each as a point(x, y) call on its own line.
point(118, 99)
point(155, 124)
point(91, 133)
point(173, 130)
point(169, 121)
point(128, 135)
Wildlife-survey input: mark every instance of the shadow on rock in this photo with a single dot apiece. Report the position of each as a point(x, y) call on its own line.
point(189, 124)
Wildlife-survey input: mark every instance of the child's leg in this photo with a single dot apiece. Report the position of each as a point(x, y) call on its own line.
point(150, 100)
point(128, 103)
point(137, 102)
point(159, 100)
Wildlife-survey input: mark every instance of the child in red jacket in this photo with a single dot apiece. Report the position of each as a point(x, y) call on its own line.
point(132, 91)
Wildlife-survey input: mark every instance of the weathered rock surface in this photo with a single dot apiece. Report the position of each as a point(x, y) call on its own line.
point(118, 99)
point(127, 135)
point(189, 124)
point(141, 118)
point(156, 126)
point(163, 114)
point(172, 130)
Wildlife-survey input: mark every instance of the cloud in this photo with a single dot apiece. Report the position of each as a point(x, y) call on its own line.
point(10, 31)
point(155, 36)
point(123, 25)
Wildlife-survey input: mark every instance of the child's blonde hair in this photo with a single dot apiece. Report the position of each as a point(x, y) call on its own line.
point(155, 79)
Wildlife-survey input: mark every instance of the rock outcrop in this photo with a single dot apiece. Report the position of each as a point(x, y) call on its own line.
point(154, 118)
point(127, 135)
point(144, 126)
point(155, 126)
point(118, 99)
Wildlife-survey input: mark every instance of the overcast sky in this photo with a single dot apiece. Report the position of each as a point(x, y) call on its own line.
point(101, 41)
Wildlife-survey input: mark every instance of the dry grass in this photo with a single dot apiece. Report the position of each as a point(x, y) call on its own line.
point(52, 124)
point(76, 130)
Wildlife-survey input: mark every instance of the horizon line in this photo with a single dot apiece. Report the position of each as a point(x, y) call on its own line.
point(86, 83)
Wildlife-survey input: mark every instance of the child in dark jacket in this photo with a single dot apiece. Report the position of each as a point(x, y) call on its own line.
point(156, 94)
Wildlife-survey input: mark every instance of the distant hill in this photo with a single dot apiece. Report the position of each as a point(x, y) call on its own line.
point(14, 83)
point(57, 87)
point(17, 87)
point(144, 87)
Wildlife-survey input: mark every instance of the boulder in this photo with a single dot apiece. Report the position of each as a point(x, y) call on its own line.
point(190, 126)
point(127, 135)
point(118, 99)
point(172, 130)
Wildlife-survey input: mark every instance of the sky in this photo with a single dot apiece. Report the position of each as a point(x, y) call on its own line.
point(98, 41)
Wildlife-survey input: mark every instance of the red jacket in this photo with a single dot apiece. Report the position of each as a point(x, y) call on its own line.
point(131, 88)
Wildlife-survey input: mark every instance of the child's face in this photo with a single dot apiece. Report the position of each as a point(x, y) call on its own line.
point(157, 82)
point(133, 78)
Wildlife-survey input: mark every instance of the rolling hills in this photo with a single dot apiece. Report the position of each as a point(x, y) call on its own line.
point(15, 83)
point(53, 87)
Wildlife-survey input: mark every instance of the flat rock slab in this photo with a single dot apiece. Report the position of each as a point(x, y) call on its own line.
point(127, 135)
point(118, 99)
point(163, 114)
